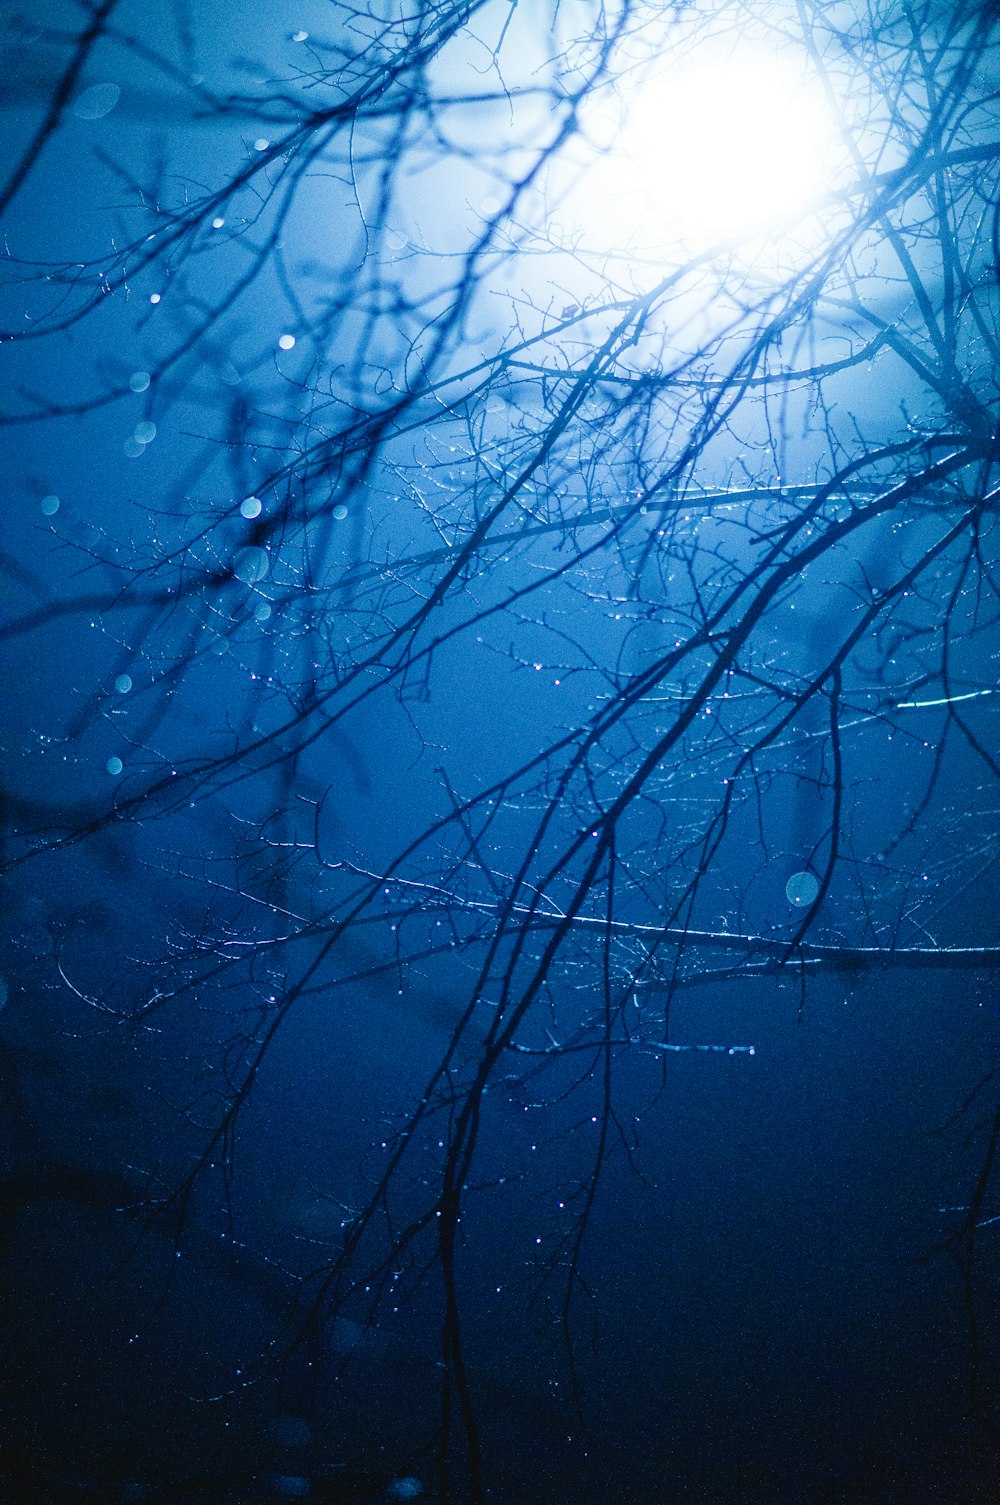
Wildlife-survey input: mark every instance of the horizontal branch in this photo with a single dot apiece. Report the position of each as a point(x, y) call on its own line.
point(785, 952)
point(781, 951)
point(837, 958)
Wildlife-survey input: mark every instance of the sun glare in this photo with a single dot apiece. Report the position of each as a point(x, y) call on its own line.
point(724, 147)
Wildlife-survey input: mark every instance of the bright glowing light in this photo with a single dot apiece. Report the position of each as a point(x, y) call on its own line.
point(723, 146)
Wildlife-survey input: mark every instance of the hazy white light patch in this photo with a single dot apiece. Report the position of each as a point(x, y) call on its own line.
point(139, 381)
point(251, 507)
point(49, 505)
point(114, 766)
point(133, 447)
point(96, 102)
point(801, 889)
point(727, 144)
point(251, 565)
point(123, 684)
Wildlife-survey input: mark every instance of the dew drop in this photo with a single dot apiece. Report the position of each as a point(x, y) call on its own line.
point(286, 342)
point(405, 1489)
point(251, 507)
point(139, 381)
point(145, 432)
point(49, 505)
point(801, 889)
point(96, 102)
point(290, 1486)
point(114, 766)
point(251, 565)
point(340, 512)
point(123, 684)
point(291, 1431)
